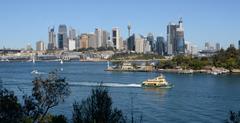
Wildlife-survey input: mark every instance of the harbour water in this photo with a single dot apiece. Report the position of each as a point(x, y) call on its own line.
point(195, 97)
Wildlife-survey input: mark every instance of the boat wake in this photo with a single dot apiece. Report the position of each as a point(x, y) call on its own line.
point(132, 85)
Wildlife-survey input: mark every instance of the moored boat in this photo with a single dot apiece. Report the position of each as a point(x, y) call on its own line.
point(159, 82)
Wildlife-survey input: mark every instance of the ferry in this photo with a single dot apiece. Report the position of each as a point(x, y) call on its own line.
point(158, 82)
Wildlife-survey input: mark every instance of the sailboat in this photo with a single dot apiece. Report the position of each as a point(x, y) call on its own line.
point(61, 61)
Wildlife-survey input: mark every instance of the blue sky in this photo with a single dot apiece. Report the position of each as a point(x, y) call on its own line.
point(27, 21)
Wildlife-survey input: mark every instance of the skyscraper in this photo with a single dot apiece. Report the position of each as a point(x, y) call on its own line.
point(98, 33)
point(62, 37)
point(84, 41)
point(105, 38)
point(171, 37)
point(51, 39)
point(139, 43)
point(92, 41)
point(175, 38)
point(116, 38)
point(180, 43)
point(160, 48)
point(131, 43)
point(40, 46)
point(72, 33)
point(150, 39)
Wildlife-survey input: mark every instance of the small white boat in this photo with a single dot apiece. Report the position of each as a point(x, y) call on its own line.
point(35, 72)
point(61, 61)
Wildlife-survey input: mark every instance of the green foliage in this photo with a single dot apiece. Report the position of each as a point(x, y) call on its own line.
point(46, 94)
point(10, 109)
point(234, 117)
point(97, 108)
point(58, 119)
point(135, 56)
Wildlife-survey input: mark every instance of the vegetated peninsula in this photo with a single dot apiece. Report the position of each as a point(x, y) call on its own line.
point(223, 61)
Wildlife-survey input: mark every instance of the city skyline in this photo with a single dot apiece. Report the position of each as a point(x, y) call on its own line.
point(205, 21)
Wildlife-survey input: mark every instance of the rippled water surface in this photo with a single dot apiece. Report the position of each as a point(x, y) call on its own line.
point(195, 98)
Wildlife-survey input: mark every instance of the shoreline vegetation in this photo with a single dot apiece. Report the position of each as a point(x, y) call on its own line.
point(223, 61)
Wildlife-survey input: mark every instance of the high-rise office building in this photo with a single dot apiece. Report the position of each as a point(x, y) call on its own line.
point(116, 39)
point(99, 35)
point(175, 38)
point(29, 47)
point(62, 37)
point(105, 38)
point(139, 43)
point(72, 34)
point(84, 41)
point(92, 41)
point(71, 44)
point(160, 48)
point(150, 39)
point(52, 45)
point(218, 47)
point(131, 43)
point(180, 43)
point(171, 37)
point(40, 46)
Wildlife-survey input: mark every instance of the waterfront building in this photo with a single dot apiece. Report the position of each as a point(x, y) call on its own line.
point(191, 49)
point(160, 48)
point(40, 46)
point(116, 39)
point(52, 45)
point(71, 44)
point(92, 41)
point(218, 47)
point(84, 41)
point(131, 43)
point(62, 37)
point(150, 39)
point(139, 43)
point(29, 47)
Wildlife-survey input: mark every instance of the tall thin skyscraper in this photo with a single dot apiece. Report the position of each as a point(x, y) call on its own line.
point(51, 39)
point(62, 37)
point(171, 36)
point(218, 47)
point(116, 38)
point(99, 35)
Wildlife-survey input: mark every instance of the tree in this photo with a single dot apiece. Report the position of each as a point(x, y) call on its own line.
point(46, 94)
point(10, 109)
point(97, 108)
point(234, 117)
